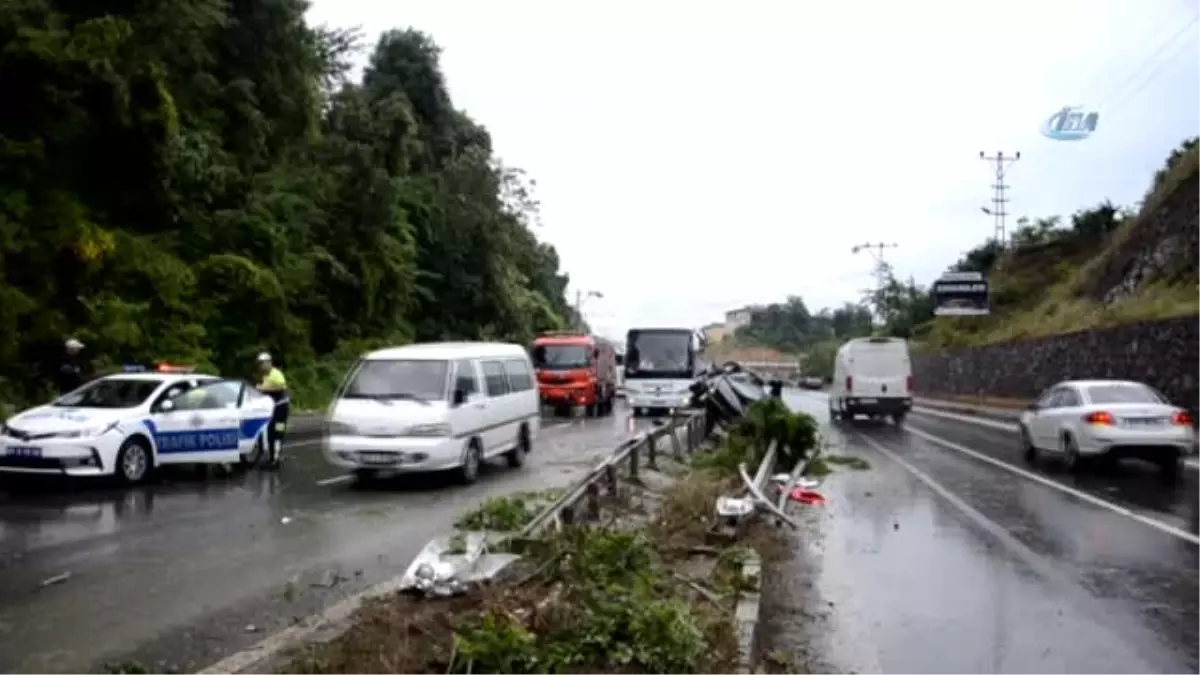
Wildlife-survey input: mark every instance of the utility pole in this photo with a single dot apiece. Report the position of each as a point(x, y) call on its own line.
point(999, 196)
point(876, 250)
point(580, 296)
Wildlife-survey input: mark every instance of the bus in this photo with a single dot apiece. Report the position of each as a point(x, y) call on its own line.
point(660, 367)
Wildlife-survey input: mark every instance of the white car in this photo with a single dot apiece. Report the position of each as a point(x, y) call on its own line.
point(127, 424)
point(1082, 419)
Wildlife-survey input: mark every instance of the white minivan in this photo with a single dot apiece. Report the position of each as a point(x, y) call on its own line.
point(434, 407)
point(872, 376)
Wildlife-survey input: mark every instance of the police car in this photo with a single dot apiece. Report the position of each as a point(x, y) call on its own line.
point(129, 423)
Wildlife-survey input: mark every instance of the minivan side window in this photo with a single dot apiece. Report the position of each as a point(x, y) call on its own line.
point(497, 381)
point(465, 378)
point(518, 375)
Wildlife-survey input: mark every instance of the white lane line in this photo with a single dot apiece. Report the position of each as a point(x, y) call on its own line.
point(336, 479)
point(1191, 463)
point(969, 419)
point(1078, 494)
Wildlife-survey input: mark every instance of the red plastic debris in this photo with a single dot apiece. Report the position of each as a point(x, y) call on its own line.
point(807, 497)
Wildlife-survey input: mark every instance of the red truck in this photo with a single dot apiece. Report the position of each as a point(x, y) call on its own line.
point(576, 369)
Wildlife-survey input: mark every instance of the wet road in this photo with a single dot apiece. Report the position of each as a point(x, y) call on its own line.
point(176, 575)
point(938, 561)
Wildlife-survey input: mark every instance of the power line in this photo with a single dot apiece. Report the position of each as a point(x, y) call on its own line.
point(999, 210)
point(1147, 61)
point(1150, 77)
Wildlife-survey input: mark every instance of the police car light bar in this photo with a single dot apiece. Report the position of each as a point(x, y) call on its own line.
point(164, 367)
point(133, 368)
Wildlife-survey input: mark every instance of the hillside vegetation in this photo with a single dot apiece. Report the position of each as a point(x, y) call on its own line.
point(197, 181)
point(1107, 267)
point(1103, 266)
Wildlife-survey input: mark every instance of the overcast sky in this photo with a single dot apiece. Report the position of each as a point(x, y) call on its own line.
point(693, 157)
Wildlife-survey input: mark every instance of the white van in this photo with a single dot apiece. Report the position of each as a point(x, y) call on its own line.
point(872, 376)
point(434, 407)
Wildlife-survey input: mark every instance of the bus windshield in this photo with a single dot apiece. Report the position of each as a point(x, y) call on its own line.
point(659, 353)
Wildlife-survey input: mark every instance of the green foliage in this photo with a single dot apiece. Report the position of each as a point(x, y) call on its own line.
point(790, 327)
point(508, 513)
point(197, 181)
point(768, 420)
point(619, 612)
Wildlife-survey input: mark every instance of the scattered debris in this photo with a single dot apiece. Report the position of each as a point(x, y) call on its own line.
point(251, 628)
point(54, 580)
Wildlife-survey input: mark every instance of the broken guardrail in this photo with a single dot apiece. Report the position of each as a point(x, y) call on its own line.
point(449, 565)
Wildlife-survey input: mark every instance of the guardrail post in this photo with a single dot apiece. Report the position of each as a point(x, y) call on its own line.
point(567, 515)
point(652, 452)
point(676, 446)
point(634, 457)
point(610, 479)
point(593, 501)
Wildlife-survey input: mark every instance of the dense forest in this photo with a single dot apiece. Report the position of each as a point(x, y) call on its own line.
point(199, 180)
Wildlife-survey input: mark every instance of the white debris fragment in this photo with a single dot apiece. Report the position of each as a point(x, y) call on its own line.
point(56, 579)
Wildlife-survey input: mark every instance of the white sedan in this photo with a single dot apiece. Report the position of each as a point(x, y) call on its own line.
point(1081, 419)
point(128, 424)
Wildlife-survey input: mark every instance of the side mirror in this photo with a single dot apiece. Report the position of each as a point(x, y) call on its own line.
point(1032, 407)
point(166, 406)
point(595, 353)
point(459, 397)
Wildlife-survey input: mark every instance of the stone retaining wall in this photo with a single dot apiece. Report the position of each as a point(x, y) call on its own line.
point(1163, 354)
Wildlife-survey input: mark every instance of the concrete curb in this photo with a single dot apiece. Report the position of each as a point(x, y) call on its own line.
point(746, 612)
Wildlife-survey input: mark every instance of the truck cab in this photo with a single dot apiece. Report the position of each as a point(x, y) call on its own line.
point(575, 369)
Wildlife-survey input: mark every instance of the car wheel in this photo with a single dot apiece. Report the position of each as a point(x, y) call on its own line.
point(898, 420)
point(254, 457)
point(1071, 459)
point(1028, 450)
point(134, 461)
point(591, 409)
point(469, 471)
point(516, 456)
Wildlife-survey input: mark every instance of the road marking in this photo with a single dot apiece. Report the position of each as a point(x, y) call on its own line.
point(336, 479)
point(1191, 463)
point(980, 421)
point(1134, 635)
point(1078, 494)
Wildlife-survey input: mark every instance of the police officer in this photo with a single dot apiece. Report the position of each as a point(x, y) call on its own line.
point(69, 375)
point(274, 384)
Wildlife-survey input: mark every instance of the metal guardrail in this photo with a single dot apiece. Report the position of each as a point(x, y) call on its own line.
point(643, 448)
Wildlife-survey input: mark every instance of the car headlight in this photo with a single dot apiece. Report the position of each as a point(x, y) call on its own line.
point(428, 430)
point(87, 432)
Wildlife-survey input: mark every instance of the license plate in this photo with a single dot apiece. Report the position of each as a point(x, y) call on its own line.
point(23, 451)
point(657, 402)
point(1149, 422)
point(868, 400)
point(380, 457)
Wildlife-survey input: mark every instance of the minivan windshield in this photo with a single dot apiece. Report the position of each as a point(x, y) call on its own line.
point(560, 357)
point(399, 379)
point(1123, 393)
point(111, 392)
